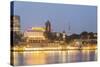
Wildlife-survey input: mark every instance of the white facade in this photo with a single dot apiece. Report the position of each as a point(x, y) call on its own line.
point(34, 35)
point(16, 23)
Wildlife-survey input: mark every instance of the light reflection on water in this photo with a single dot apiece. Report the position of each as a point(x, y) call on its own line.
point(48, 57)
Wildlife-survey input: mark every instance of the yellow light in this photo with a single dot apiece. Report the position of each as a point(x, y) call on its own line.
point(38, 28)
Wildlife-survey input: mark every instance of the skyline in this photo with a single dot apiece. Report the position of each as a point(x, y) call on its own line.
point(79, 17)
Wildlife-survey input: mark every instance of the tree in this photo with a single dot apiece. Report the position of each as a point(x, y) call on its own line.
point(84, 35)
point(91, 35)
point(74, 36)
point(17, 37)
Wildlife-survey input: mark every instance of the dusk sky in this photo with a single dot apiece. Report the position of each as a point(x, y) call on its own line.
point(79, 17)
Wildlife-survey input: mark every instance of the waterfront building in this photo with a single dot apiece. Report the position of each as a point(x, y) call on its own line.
point(15, 24)
point(15, 30)
point(95, 35)
point(35, 34)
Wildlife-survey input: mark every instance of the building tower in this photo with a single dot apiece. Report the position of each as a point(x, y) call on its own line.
point(15, 30)
point(15, 24)
point(48, 26)
point(64, 35)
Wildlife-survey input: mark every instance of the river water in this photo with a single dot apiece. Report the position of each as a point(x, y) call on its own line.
point(53, 57)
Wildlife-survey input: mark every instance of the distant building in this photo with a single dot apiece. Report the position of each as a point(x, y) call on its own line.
point(48, 26)
point(35, 34)
point(95, 35)
point(15, 30)
point(15, 24)
point(64, 35)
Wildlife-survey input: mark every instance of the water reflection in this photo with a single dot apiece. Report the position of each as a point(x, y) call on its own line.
point(48, 57)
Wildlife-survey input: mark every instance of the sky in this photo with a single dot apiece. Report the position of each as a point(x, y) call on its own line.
point(68, 17)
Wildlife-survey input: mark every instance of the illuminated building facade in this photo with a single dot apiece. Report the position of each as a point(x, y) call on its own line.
point(15, 24)
point(36, 34)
